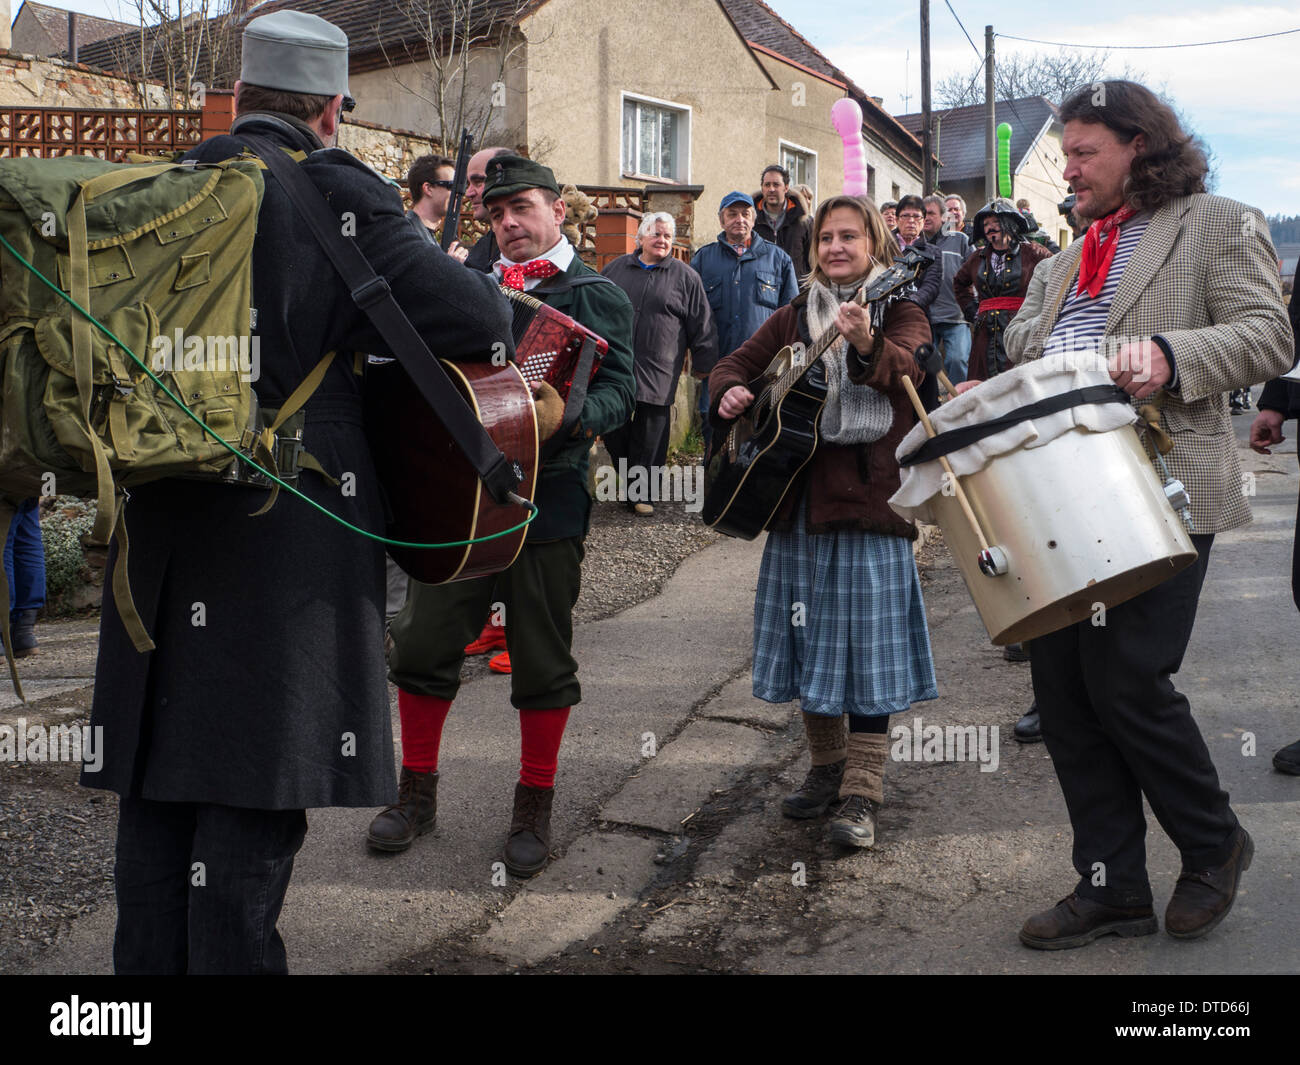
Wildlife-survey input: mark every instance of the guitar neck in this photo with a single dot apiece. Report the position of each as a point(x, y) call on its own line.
point(821, 345)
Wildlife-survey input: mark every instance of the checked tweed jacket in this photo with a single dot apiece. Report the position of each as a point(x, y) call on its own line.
point(1204, 276)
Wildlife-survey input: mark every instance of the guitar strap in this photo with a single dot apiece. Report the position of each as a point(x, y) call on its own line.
point(500, 475)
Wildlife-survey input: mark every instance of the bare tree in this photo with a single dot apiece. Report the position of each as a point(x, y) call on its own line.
point(181, 43)
point(455, 56)
point(1020, 74)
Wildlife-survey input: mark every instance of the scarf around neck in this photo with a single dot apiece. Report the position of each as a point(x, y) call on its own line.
point(1099, 250)
point(853, 414)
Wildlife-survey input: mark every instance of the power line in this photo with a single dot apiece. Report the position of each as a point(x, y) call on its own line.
point(1133, 47)
point(963, 28)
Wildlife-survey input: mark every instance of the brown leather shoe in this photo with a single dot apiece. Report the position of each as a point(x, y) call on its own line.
point(416, 812)
point(1076, 922)
point(528, 847)
point(1201, 900)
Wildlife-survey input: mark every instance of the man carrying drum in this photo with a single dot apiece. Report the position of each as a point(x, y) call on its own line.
point(1180, 290)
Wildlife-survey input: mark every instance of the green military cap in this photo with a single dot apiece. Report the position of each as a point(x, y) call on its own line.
point(508, 174)
point(293, 51)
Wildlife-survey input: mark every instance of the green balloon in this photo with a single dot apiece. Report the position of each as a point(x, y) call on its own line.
point(1004, 159)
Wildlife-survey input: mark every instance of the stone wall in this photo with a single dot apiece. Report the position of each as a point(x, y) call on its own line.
point(28, 81)
point(390, 151)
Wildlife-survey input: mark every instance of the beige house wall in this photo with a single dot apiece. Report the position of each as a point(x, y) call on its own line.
point(1040, 182)
point(693, 58)
point(799, 113)
point(401, 97)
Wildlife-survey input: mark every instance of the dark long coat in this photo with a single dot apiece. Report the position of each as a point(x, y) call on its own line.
point(267, 688)
point(671, 314)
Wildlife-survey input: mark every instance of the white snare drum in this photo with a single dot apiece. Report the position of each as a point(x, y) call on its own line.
point(1078, 524)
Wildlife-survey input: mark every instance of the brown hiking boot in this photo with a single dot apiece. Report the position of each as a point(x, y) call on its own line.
point(416, 812)
point(1202, 899)
point(854, 824)
point(818, 790)
point(1076, 921)
point(528, 847)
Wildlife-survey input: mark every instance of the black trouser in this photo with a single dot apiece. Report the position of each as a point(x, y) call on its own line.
point(1117, 729)
point(643, 441)
point(200, 887)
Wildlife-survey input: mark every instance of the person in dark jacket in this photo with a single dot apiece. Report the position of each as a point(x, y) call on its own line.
point(911, 234)
point(745, 277)
point(1279, 401)
point(266, 693)
point(860, 650)
point(485, 251)
point(946, 319)
point(540, 587)
point(782, 218)
point(671, 314)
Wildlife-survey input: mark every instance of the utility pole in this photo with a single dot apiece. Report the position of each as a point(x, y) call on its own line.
point(927, 162)
point(990, 122)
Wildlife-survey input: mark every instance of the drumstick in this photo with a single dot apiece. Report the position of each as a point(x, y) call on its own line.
point(943, 459)
point(947, 385)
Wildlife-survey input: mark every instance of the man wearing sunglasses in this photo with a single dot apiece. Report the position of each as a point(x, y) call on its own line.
point(430, 182)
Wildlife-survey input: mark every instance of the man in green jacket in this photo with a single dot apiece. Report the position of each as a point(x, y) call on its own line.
point(540, 588)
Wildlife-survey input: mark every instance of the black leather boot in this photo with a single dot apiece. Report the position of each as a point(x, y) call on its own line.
point(416, 812)
point(528, 847)
point(22, 631)
point(1029, 729)
point(819, 789)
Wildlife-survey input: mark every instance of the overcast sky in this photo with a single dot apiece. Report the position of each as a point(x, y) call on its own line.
point(1239, 97)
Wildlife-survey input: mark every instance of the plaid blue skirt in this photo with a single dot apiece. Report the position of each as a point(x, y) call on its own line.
point(839, 623)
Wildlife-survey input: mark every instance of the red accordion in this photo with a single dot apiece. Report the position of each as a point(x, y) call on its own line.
point(548, 343)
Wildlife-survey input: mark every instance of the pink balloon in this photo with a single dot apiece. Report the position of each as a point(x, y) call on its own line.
point(846, 117)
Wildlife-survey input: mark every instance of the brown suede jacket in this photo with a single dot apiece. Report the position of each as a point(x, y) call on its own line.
point(847, 486)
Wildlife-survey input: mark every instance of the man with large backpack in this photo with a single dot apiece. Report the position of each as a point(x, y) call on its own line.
point(266, 694)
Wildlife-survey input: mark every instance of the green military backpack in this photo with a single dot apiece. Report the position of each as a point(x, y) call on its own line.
point(160, 255)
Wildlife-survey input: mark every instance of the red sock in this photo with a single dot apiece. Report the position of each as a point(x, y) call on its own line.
point(539, 745)
point(422, 719)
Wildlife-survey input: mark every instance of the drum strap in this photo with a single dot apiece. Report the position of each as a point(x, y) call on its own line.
point(955, 439)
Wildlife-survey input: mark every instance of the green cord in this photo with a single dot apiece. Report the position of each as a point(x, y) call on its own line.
point(239, 454)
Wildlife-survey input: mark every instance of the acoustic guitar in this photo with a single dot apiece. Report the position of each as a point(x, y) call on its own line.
point(754, 465)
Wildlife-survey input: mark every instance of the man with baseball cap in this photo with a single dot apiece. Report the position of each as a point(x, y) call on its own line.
point(537, 593)
point(746, 279)
point(272, 698)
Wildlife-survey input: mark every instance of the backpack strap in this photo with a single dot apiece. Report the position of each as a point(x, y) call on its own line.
point(372, 294)
point(295, 402)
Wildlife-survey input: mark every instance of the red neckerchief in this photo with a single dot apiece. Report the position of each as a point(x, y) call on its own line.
point(513, 276)
point(1098, 252)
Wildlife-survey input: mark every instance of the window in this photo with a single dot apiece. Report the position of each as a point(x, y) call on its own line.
point(802, 164)
point(897, 192)
point(656, 139)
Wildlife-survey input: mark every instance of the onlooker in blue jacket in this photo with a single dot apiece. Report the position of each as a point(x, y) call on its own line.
point(745, 277)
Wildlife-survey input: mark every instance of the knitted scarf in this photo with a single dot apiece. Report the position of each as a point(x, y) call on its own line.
point(854, 414)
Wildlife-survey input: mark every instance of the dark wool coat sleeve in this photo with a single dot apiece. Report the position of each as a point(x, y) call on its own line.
point(267, 688)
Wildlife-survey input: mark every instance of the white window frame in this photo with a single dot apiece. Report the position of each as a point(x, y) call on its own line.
point(782, 144)
point(683, 136)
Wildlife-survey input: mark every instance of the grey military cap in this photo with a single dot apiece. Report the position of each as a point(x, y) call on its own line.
point(296, 52)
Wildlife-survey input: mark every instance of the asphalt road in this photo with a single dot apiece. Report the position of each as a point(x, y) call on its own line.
point(673, 856)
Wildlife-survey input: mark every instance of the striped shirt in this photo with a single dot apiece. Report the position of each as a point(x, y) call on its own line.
point(1082, 323)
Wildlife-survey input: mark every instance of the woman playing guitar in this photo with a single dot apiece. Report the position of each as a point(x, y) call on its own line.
point(838, 617)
